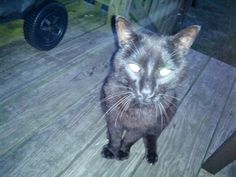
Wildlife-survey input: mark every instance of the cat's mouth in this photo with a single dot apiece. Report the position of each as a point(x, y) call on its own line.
point(145, 100)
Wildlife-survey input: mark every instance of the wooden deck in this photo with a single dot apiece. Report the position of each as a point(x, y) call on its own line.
point(50, 118)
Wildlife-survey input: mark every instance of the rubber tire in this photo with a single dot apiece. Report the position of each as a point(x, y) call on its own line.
point(33, 20)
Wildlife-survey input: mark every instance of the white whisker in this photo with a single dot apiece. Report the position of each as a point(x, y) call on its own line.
point(115, 95)
point(162, 121)
point(170, 96)
point(175, 52)
point(123, 109)
point(120, 110)
point(165, 113)
point(116, 105)
point(169, 102)
point(156, 110)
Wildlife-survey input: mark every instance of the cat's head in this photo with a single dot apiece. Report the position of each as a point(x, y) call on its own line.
point(148, 64)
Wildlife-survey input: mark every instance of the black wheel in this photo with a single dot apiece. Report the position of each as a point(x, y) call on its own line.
point(45, 27)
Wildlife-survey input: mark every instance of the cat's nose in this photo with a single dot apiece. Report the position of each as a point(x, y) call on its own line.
point(146, 92)
point(146, 87)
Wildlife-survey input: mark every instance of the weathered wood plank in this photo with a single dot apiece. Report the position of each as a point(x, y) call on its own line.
point(51, 149)
point(24, 115)
point(84, 23)
point(41, 66)
point(226, 126)
point(231, 171)
point(223, 156)
point(228, 119)
point(21, 49)
point(228, 171)
point(44, 154)
point(103, 167)
point(185, 141)
point(204, 173)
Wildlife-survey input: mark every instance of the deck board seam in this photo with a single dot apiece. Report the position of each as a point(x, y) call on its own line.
point(79, 153)
point(48, 123)
point(52, 76)
point(36, 53)
point(217, 125)
point(11, 67)
point(76, 37)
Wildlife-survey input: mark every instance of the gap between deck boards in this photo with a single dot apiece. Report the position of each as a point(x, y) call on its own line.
point(83, 58)
point(74, 170)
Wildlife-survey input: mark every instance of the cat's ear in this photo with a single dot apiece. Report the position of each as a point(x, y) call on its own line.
point(124, 31)
point(185, 38)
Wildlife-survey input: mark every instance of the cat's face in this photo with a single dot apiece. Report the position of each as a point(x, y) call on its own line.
point(149, 65)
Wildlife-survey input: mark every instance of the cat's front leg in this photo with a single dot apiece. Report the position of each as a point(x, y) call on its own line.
point(114, 135)
point(129, 138)
point(150, 142)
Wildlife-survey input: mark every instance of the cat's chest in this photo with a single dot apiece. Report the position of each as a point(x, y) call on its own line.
point(136, 116)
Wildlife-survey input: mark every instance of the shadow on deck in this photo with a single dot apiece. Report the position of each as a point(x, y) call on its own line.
point(51, 123)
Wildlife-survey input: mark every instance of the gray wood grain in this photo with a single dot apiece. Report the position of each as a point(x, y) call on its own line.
point(226, 126)
point(15, 54)
point(228, 171)
point(61, 104)
point(91, 164)
point(183, 144)
point(28, 112)
point(51, 123)
point(103, 167)
point(204, 173)
point(52, 148)
point(41, 66)
point(84, 23)
point(227, 123)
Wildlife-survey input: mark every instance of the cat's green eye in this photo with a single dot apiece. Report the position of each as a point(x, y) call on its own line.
point(164, 72)
point(134, 67)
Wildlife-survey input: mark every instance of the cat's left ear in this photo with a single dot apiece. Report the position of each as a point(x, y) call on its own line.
point(185, 38)
point(124, 31)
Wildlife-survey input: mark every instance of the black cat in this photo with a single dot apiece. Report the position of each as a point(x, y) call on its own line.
point(139, 97)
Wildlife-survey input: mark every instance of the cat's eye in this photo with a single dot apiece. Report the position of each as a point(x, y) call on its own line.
point(164, 72)
point(134, 67)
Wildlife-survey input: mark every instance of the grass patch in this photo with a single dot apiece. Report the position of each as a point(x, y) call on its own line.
point(13, 31)
point(10, 32)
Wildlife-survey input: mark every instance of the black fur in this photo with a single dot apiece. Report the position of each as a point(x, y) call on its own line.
point(141, 104)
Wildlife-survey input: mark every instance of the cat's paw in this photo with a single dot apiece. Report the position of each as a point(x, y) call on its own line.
point(152, 158)
point(121, 155)
point(107, 153)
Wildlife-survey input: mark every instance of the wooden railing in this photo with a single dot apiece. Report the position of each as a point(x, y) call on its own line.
point(161, 15)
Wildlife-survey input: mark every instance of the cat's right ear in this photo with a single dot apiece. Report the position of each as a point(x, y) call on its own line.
point(124, 31)
point(185, 38)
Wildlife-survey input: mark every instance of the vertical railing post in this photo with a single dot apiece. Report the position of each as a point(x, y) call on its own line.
point(119, 7)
